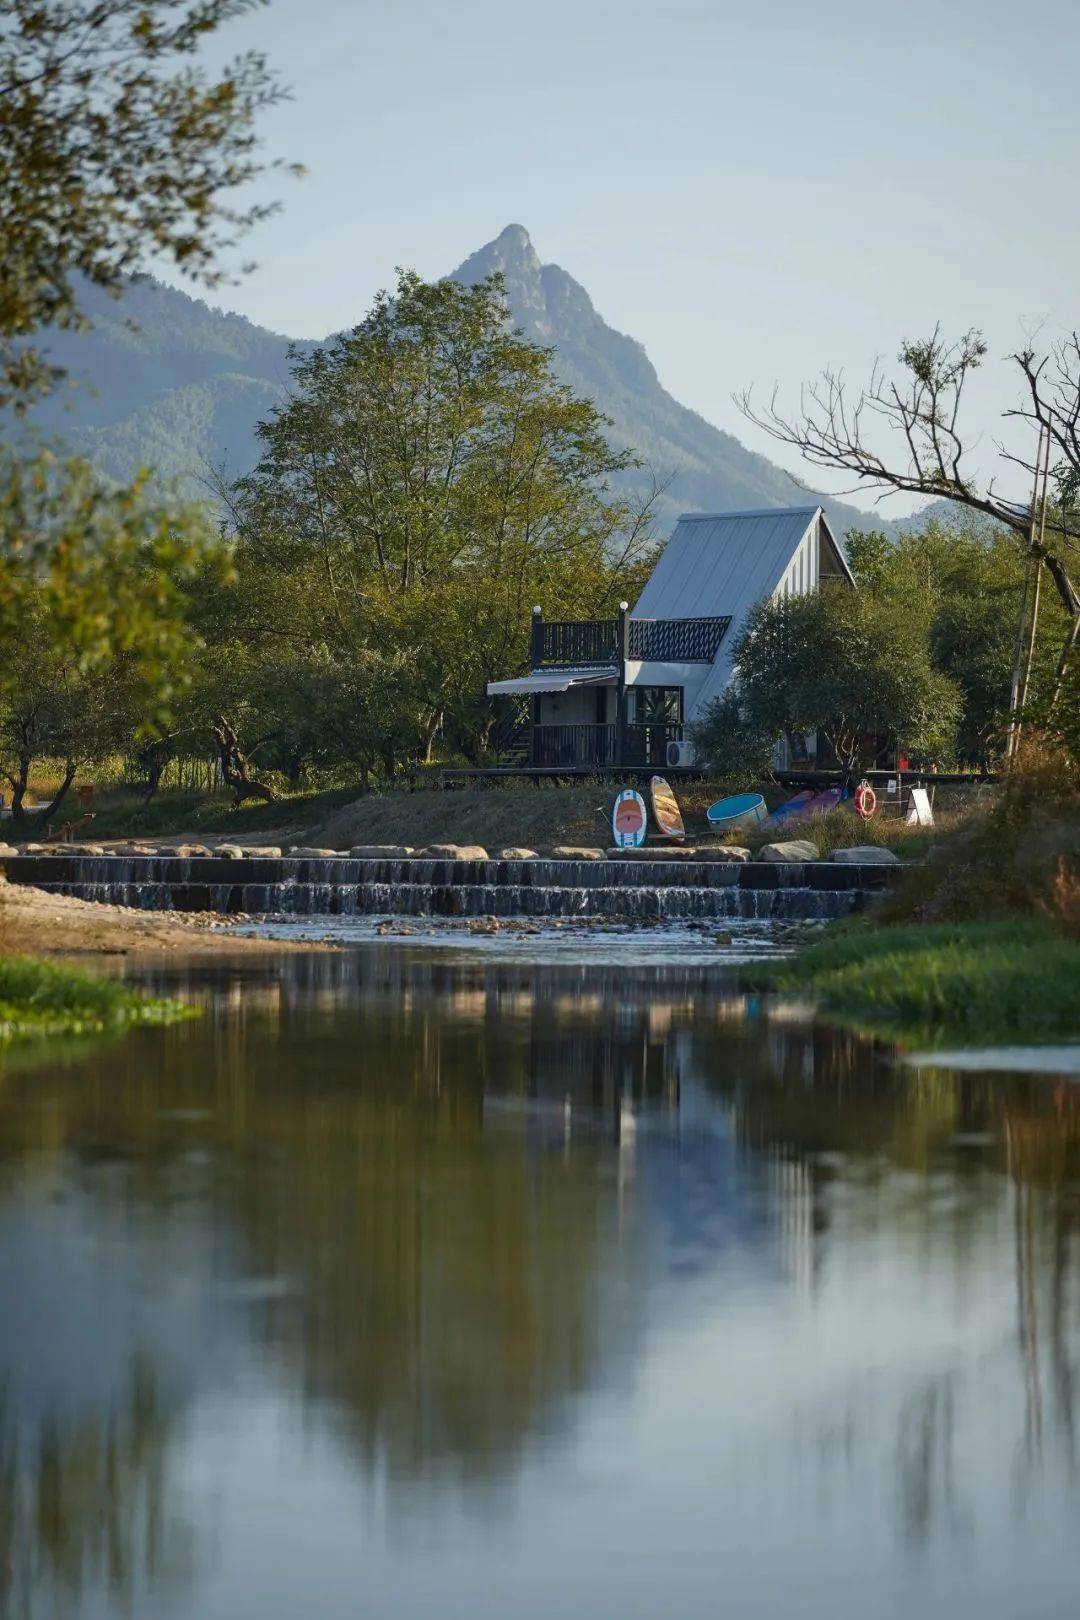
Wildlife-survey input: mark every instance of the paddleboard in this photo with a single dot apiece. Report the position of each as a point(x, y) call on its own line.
point(739, 809)
point(628, 820)
point(666, 812)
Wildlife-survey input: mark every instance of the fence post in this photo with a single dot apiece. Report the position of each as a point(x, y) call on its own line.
point(536, 647)
point(620, 689)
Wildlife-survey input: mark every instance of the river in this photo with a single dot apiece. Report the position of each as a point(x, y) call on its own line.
point(423, 1282)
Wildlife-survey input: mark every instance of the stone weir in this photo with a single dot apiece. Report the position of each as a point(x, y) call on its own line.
point(540, 887)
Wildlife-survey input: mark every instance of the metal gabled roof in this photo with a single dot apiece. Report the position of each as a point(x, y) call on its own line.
point(723, 562)
point(726, 563)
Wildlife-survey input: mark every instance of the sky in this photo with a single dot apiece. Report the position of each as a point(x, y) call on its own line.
point(753, 191)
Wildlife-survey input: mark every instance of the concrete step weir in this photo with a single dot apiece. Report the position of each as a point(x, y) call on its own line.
point(419, 886)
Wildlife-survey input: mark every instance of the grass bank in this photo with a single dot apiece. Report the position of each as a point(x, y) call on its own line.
point(49, 998)
point(986, 981)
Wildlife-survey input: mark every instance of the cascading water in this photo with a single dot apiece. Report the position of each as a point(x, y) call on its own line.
point(343, 886)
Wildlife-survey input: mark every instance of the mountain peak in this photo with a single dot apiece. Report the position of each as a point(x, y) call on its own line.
point(514, 239)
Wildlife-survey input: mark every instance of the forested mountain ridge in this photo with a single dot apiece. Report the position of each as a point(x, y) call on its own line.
point(166, 380)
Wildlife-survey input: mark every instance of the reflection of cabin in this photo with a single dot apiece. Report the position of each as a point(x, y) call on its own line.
point(619, 691)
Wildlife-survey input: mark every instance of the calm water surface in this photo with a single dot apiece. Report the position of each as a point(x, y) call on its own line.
point(407, 1284)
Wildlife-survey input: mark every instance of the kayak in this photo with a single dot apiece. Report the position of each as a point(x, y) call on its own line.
point(818, 804)
point(793, 807)
point(738, 810)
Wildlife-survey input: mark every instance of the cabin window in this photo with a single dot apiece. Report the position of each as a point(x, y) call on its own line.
point(656, 705)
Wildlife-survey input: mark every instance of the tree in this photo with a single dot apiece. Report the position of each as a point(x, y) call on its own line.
point(735, 746)
point(426, 483)
point(115, 143)
point(846, 665)
point(920, 410)
point(94, 616)
point(965, 581)
point(106, 565)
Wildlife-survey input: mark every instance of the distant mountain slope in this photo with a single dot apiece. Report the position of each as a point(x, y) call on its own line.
point(170, 382)
point(164, 380)
point(709, 469)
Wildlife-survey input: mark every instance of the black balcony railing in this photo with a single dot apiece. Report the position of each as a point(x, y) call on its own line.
point(573, 746)
point(571, 642)
point(578, 747)
point(677, 641)
point(576, 643)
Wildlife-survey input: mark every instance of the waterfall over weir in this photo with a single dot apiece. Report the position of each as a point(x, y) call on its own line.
point(619, 889)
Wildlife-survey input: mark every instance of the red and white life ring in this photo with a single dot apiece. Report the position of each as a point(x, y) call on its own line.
point(865, 800)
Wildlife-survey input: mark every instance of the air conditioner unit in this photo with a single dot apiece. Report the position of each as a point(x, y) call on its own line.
point(680, 753)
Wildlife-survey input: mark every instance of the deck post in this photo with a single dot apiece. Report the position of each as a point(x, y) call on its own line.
point(620, 689)
point(536, 645)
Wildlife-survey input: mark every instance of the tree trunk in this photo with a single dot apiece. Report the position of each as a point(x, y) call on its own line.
point(61, 793)
point(234, 765)
point(18, 791)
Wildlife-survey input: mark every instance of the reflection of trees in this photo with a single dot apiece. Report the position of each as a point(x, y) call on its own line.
point(86, 1500)
point(440, 1276)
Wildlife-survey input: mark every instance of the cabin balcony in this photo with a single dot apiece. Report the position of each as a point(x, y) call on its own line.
point(598, 643)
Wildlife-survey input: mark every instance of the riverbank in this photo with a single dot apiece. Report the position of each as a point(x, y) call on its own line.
point(49, 998)
point(497, 816)
point(33, 921)
point(994, 980)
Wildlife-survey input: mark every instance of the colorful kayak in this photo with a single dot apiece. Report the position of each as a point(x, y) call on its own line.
point(793, 807)
point(665, 809)
point(741, 809)
point(628, 820)
point(819, 804)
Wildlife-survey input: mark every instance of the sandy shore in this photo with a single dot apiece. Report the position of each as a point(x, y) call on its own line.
point(32, 920)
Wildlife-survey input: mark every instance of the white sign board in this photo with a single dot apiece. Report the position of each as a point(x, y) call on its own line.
point(920, 813)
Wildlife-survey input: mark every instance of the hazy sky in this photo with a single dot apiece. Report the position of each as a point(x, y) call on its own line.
point(752, 190)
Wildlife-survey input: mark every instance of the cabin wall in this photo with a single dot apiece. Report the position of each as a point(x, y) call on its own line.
point(580, 706)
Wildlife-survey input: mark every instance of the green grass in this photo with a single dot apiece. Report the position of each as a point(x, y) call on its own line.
point(119, 813)
point(48, 998)
point(990, 981)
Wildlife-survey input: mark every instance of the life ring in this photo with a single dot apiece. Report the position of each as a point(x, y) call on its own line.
point(865, 800)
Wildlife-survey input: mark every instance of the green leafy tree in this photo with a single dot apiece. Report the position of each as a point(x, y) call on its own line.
point(94, 616)
point(115, 143)
point(737, 747)
point(965, 580)
point(849, 666)
point(106, 565)
point(427, 482)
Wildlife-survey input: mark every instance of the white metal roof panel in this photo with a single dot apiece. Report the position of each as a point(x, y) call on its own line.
point(723, 562)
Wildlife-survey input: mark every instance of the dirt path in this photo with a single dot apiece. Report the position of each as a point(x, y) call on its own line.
point(32, 920)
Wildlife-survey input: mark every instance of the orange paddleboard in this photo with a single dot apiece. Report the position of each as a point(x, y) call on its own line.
point(666, 812)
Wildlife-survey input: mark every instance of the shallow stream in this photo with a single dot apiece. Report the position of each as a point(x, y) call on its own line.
point(456, 1276)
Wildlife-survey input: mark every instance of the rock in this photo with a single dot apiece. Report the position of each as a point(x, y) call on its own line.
point(83, 849)
point(572, 852)
point(230, 852)
point(132, 848)
point(724, 852)
point(33, 849)
point(483, 925)
point(301, 852)
point(381, 852)
point(515, 855)
point(262, 852)
point(454, 852)
point(7, 849)
point(870, 854)
point(792, 849)
point(185, 852)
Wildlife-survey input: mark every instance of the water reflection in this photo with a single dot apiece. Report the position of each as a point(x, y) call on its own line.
point(414, 1247)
